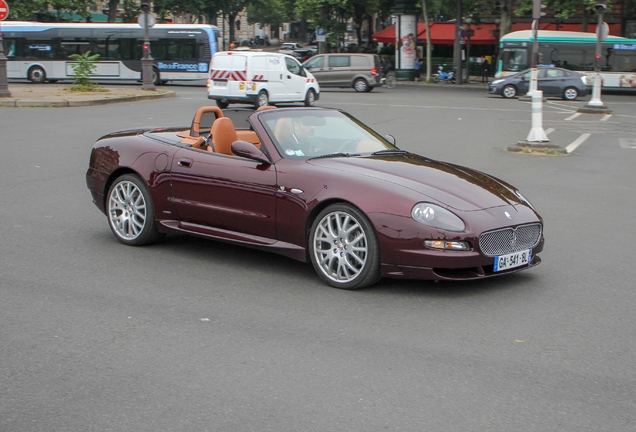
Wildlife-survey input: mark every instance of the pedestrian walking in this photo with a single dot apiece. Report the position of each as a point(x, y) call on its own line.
point(417, 66)
point(485, 70)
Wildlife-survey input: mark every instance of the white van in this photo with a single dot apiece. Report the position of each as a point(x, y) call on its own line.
point(259, 78)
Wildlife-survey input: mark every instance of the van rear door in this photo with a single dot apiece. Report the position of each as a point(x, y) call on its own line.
point(275, 78)
point(228, 75)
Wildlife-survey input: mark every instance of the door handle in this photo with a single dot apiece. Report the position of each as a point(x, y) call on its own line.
point(186, 163)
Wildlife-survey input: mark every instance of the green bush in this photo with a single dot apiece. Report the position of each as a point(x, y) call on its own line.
point(83, 68)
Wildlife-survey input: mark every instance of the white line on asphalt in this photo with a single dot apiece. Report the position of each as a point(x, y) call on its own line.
point(577, 142)
point(573, 116)
point(606, 117)
point(549, 131)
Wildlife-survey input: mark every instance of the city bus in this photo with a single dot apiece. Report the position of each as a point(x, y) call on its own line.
point(40, 52)
point(571, 50)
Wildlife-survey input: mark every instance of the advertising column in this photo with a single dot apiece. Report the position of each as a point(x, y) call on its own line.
point(405, 12)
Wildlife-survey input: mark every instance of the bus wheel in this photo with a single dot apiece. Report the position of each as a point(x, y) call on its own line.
point(156, 78)
point(222, 103)
point(36, 75)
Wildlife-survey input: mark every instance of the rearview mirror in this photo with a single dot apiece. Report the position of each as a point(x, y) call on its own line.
point(390, 138)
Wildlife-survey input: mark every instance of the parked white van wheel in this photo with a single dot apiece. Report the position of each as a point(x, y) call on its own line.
point(221, 103)
point(310, 98)
point(262, 99)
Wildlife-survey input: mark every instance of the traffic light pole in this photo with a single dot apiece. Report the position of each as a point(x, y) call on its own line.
point(146, 61)
point(596, 101)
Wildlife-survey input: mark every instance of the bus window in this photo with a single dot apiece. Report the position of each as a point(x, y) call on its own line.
point(515, 59)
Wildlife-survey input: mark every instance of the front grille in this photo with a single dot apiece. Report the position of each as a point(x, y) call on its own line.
point(510, 240)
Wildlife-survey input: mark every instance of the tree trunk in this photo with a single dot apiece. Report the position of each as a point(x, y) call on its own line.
point(112, 10)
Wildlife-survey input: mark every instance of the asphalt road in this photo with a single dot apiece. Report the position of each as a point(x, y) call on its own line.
point(194, 335)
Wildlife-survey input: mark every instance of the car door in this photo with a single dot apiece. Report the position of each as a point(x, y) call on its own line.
point(316, 65)
point(224, 192)
point(295, 80)
point(553, 82)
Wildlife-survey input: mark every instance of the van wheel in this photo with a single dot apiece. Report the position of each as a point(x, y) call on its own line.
point(310, 98)
point(222, 103)
point(360, 85)
point(37, 75)
point(262, 99)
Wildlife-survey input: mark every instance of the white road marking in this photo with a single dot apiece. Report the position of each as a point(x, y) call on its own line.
point(549, 131)
point(573, 116)
point(606, 117)
point(577, 142)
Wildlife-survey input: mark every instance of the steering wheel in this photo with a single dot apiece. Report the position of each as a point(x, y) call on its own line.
point(347, 143)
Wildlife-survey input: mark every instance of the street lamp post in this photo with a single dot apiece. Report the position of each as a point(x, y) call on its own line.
point(601, 33)
point(469, 33)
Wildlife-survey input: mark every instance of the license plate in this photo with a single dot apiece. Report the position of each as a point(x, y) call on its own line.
point(220, 83)
point(517, 259)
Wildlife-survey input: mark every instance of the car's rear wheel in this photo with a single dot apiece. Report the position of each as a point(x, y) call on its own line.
point(509, 91)
point(130, 211)
point(262, 99)
point(37, 75)
point(310, 98)
point(360, 85)
point(570, 94)
point(222, 103)
point(343, 248)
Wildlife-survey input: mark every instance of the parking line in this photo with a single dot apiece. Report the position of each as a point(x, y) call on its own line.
point(577, 142)
point(549, 131)
point(606, 117)
point(573, 116)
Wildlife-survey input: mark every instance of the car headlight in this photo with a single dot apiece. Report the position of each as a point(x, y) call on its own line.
point(497, 81)
point(436, 217)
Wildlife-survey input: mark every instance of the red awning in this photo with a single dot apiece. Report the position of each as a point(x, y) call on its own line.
point(444, 33)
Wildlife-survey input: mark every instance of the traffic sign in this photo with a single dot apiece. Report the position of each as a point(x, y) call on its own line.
point(602, 31)
point(152, 20)
point(4, 10)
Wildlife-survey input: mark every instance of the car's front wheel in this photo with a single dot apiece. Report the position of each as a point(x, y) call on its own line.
point(360, 85)
point(509, 91)
point(130, 211)
point(343, 248)
point(570, 94)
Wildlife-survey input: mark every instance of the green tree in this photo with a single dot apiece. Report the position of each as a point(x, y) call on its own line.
point(83, 68)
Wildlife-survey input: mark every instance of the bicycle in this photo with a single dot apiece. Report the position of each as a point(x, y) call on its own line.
point(388, 81)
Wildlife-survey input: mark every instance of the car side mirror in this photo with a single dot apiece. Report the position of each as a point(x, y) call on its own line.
point(390, 138)
point(250, 151)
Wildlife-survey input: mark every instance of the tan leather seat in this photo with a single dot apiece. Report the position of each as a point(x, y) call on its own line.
point(223, 135)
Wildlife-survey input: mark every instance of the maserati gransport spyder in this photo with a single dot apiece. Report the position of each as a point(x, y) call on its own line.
point(317, 185)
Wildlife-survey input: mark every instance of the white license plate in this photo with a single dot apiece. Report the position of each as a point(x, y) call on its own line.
point(517, 259)
point(220, 83)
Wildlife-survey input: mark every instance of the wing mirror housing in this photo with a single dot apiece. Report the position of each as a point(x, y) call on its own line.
point(390, 138)
point(249, 151)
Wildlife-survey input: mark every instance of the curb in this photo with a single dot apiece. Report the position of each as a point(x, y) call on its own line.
point(68, 103)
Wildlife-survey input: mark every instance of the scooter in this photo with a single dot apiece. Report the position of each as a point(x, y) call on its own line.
point(442, 75)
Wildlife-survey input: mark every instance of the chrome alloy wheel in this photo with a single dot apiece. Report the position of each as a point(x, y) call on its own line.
point(127, 210)
point(340, 246)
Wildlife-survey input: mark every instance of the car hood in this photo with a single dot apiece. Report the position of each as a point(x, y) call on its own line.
point(454, 186)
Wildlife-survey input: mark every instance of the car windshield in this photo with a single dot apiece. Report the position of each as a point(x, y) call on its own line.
point(309, 133)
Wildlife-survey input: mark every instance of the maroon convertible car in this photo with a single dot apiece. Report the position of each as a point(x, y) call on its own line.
point(315, 185)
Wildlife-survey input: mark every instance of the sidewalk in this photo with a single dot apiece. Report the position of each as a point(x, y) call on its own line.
point(57, 95)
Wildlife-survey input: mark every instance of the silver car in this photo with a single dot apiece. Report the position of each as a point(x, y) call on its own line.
point(552, 81)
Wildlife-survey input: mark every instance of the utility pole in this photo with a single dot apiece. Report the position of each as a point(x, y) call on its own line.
point(459, 77)
point(4, 88)
point(602, 30)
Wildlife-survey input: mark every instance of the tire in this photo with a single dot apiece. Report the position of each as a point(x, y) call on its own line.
point(310, 98)
point(130, 212)
point(262, 99)
point(570, 94)
point(360, 85)
point(390, 82)
point(36, 75)
point(343, 248)
point(222, 103)
point(509, 91)
point(435, 78)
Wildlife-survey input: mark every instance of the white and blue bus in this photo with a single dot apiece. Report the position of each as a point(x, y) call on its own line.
point(40, 52)
point(571, 50)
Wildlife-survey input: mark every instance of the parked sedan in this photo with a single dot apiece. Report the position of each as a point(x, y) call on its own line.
point(315, 185)
point(557, 82)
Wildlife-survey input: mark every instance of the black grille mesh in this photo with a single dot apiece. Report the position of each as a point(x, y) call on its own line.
point(510, 240)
